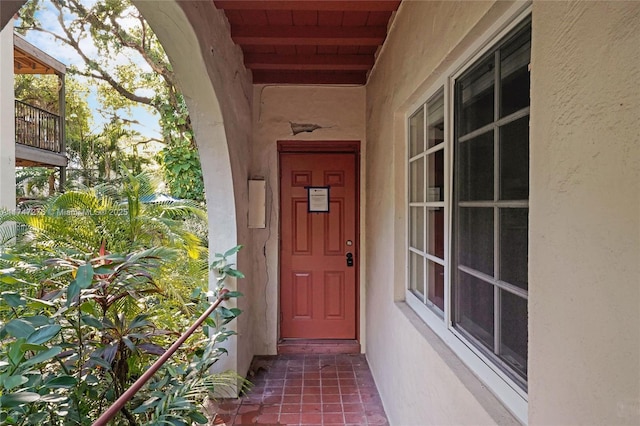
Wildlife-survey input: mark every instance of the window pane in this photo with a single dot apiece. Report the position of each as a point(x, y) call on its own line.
point(416, 180)
point(416, 228)
point(475, 308)
point(416, 133)
point(514, 332)
point(475, 239)
point(475, 97)
point(435, 281)
point(435, 121)
point(416, 274)
point(514, 239)
point(514, 160)
point(435, 231)
point(475, 168)
point(514, 73)
point(435, 176)
point(481, 188)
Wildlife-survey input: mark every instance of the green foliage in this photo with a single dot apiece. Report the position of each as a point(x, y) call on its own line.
point(181, 166)
point(95, 156)
point(72, 351)
point(130, 68)
point(102, 156)
point(176, 394)
point(103, 217)
point(35, 181)
point(63, 346)
point(84, 284)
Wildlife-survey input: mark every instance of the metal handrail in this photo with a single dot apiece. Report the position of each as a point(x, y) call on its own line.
point(129, 393)
point(37, 127)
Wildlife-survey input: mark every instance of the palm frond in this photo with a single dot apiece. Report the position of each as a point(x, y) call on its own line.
point(178, 209)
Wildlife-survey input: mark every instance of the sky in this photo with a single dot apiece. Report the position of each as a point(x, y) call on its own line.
point(148, 127)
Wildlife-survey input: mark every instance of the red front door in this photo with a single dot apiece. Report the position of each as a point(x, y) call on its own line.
point(317, 279)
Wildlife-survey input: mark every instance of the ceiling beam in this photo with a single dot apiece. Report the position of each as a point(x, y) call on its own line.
point(308, 35)
point(315, 5)
point(257, 61)
point(309, 77)
point(41, 59)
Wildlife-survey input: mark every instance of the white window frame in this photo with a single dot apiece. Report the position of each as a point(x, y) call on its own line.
point(505, 388)
point(426, 204)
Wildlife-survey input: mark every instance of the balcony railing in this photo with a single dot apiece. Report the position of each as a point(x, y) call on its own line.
point(37, 128)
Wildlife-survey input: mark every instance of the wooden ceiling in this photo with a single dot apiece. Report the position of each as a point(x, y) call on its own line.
point(28, 59)
point(25, 64)
point(308, 41)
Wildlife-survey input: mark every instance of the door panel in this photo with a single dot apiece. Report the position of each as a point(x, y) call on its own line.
point(317, 288)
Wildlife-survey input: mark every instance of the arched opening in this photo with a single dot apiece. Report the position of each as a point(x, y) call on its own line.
point(180, 42)
point(214, 90)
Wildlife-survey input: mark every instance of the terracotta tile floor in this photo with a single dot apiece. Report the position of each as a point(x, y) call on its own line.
point(306, 390)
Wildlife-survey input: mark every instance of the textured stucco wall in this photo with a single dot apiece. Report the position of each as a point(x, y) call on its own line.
point(340, 113)
point(217, 89)
point(420, 380)
point(584, 259)
point(7, 122)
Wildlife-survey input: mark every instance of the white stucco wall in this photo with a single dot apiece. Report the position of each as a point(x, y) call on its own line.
point(7, 121)
point(233, 89)
point(340, 113)
point(420, 380)
point(584, 274)
point(584, 259)
point(217, 89)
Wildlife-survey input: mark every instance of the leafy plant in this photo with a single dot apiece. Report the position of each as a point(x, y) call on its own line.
point(71, 352)
point(85, 279)
point(182, 170)
point(71, 347)
point(120, 220)
point(179, 392)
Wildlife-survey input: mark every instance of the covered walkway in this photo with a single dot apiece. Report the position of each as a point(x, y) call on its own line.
point(307, 390)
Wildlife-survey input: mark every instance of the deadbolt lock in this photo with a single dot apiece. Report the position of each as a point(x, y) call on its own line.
point(349, 259)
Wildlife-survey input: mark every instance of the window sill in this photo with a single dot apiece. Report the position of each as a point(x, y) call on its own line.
point(501, 401)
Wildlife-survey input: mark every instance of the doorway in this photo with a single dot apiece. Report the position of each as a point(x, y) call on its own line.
point(319, 237)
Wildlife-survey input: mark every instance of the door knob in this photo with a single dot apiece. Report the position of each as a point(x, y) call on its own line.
point(349, 259)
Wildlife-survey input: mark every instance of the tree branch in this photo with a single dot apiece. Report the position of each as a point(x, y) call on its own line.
point(146, 141)
point(121, 35)
point(93, 65)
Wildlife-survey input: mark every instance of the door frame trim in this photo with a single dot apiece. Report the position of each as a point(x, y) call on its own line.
point(327, 147)
point(347, 146)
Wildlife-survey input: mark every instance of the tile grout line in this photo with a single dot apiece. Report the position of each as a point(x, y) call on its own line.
point(340, 391)
point(344, 375)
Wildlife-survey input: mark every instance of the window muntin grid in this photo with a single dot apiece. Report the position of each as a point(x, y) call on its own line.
point(427, 203)
point(490, 203)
